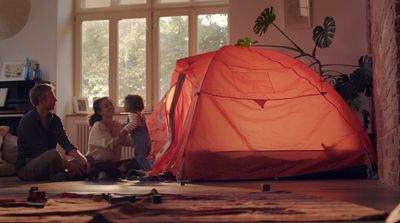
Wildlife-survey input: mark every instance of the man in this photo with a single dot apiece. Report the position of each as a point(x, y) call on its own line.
point(39, 131)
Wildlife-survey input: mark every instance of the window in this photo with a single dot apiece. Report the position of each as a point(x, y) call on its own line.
point(304, 8)
point(131, 57)
point(131, 46)
point(211, 32)
point(174, 43)
point(95, 57)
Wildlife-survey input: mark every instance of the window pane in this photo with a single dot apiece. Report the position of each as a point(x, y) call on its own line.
point(304, 8)
point(95, 58)
point(95, 3)
point(212, 32)
point(172, 1)
point(304, 3)
point(131, 58)
point(173, 45)
point(132, 2)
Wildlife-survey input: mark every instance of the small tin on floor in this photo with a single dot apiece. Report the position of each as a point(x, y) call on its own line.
point(183, 182)
point(157, 198)
point(265, 187)
point(36, 198)
point(114, 199)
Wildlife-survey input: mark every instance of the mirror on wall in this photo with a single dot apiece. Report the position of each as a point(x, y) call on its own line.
point(13, 17)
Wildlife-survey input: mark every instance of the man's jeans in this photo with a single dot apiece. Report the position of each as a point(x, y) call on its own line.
point(48, 166)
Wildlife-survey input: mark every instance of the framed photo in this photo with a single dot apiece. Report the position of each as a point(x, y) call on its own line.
point(297, 14)
point(12, 71)
point(3, 96)
point(81, 105)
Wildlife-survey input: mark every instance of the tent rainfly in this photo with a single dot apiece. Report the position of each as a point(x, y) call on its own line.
point(251, 113)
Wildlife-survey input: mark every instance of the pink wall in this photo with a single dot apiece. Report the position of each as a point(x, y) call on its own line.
point(351, 28)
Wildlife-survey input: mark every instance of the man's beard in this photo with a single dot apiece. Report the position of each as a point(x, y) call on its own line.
point(50, 107)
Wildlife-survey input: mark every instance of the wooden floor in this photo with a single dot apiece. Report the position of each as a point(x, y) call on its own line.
point(371, 193)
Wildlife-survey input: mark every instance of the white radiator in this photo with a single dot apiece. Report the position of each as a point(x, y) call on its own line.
point(127, 152)
point(82, 131)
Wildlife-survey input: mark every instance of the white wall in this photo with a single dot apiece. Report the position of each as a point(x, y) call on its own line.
point(65, 30)
point(350, 41)
point(37, 40)
point(47, 39)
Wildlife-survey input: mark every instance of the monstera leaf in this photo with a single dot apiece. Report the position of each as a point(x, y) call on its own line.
point(361, 78)
point(344, 86)
point(358, 82)
point(323, 36)
point(365, 62)
point(266, 18)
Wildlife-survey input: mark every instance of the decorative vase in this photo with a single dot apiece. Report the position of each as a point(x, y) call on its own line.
point(36, 74)
point(26, 69)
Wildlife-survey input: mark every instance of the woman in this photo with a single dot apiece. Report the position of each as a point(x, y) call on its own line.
point(105, 142)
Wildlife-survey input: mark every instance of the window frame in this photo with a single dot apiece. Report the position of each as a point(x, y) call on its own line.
point(152, 15)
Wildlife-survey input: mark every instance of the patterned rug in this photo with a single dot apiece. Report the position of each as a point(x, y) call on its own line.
point(276, 206)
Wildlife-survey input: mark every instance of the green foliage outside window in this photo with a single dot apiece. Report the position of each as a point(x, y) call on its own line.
point(132, 58)
point(132, 53)
point(95, 54)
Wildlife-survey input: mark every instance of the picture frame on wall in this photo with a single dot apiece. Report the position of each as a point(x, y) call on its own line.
point(12, 71)
point(81, 105)
point(297, 14)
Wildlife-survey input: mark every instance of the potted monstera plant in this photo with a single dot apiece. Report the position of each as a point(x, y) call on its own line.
point(349, 85)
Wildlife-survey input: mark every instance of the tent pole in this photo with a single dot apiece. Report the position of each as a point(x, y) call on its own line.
point(371, 173)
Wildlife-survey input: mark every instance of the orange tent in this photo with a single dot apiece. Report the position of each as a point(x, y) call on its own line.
point(250, 113)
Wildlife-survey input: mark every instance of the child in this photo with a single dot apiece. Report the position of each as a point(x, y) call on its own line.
point(138, 129)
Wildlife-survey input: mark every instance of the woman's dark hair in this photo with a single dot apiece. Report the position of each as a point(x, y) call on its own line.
point(95, 117)
point(135, 102)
